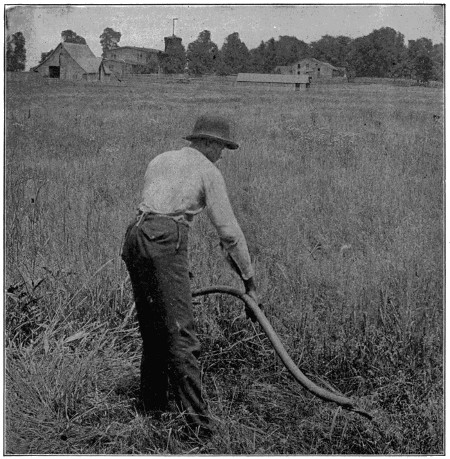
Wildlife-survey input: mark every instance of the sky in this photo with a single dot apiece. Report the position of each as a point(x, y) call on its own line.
point(147, 25)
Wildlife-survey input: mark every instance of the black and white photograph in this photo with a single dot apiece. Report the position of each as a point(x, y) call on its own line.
point(224, 229)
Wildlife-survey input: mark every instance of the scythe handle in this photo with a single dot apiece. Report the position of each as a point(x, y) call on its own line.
point(320, 392)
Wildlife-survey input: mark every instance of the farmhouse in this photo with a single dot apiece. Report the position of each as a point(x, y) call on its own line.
point(132, 59)
point(294, 82)
point(284, 70)
point(71, 61)
point(317, 69)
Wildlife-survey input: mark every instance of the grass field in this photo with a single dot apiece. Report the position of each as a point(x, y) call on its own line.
point(339, 191)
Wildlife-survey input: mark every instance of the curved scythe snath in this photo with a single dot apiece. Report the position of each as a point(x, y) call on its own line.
point(320, 392)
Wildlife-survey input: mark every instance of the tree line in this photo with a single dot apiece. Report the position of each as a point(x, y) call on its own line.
point(382, 53)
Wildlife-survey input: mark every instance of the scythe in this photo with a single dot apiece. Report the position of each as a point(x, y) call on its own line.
point(347, 403)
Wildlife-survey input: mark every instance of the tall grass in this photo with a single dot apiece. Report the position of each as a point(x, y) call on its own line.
point(339, 192)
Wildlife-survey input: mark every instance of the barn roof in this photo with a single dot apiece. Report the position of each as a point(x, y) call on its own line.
point(78, 51)
point(81, 54)
point(312, 59)
point(271, 78)
point(148, 50)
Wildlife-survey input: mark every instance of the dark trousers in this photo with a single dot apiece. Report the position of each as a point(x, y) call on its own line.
point(155, 253)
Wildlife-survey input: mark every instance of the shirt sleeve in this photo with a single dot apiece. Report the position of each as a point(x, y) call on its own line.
point(222, 217)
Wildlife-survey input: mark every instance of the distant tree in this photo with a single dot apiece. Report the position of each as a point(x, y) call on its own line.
point(16, 54)
point(423, 67)
point(379, 54)
point(234, 55)
point(401, 69)
point(424, 61)
point(202, 54)
point(109, 39)
point(272, 53)
point(357, 57)
point(391, 46)
point(289, 50)
point(69, 36)
point(420, 46)
point(437, 56)
point(256, 58)
point(10, 58)
point(173, 60)
point(45, 55)
point(330, 49)
point(270, 56)
point(415, 49)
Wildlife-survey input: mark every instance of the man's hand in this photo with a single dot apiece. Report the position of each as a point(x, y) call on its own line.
point(250, 290)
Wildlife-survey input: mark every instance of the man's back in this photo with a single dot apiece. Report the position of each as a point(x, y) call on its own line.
point(181, 184)
point(174, 183)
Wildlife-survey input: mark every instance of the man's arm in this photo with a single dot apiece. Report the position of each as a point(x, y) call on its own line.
point(223, 218)
point(231, 237)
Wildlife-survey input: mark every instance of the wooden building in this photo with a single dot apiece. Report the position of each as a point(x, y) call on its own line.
point(290, 82)
point(316, 69)
point(132, 60)
point(71, 61)
point(284, 70)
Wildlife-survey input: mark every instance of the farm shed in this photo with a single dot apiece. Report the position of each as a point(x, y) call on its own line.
point(295, 82)
point(316, 69)
point(132, 59)
point(71, 61)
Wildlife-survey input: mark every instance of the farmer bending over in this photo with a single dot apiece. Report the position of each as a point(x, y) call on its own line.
point(177, 186)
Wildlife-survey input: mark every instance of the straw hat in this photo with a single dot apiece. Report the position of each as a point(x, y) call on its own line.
point(215, 128)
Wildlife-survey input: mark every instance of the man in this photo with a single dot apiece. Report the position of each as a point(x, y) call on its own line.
point(177, 186)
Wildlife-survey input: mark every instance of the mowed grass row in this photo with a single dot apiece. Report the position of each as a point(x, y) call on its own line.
point(339, 192)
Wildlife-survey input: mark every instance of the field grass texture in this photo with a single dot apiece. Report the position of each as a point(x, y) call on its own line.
point(339, 191)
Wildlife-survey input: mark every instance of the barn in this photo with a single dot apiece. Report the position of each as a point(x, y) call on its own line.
point(289, 82)
point(72, 61)
point(132, 59)
point(317, 69)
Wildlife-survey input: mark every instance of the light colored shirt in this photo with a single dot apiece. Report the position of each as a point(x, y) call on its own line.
point(181, 184)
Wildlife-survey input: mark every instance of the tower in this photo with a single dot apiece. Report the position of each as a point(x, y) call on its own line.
point(172, 42)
